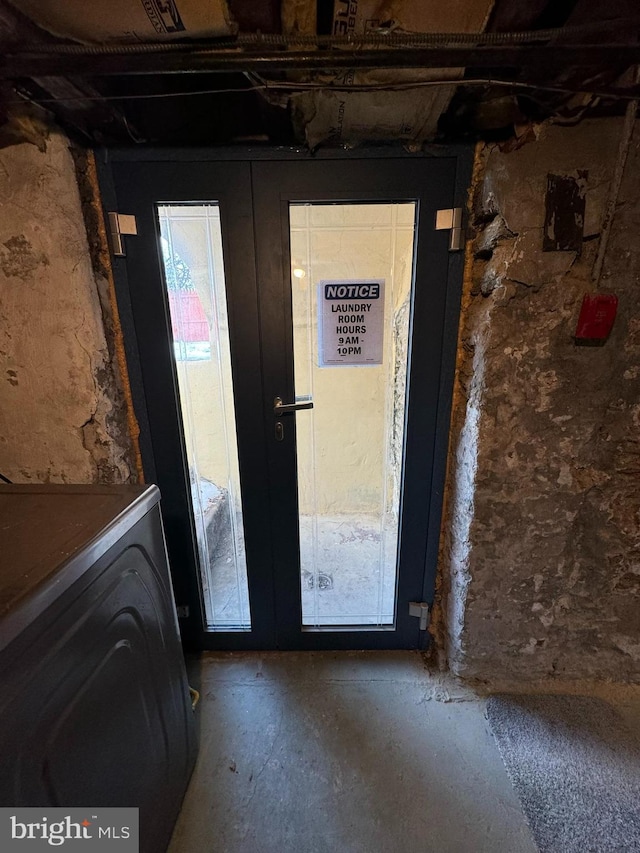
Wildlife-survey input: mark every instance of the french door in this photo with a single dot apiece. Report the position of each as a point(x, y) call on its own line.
point(290, 329)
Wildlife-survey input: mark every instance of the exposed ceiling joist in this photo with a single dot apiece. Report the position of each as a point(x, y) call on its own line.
point(267, 78)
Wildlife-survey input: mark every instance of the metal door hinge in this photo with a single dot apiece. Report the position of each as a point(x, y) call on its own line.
point(120, 224)
point(451, 220)
point(182, 611)
point(421, 611)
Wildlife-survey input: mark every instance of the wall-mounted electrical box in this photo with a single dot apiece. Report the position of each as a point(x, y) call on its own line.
point(596, 318)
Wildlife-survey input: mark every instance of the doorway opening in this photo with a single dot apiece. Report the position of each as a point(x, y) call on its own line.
point(350, 445)
point(290, 322)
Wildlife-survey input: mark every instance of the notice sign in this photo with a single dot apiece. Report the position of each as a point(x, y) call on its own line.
point(350, 322)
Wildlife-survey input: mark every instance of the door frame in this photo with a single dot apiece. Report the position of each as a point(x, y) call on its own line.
point(185, 579)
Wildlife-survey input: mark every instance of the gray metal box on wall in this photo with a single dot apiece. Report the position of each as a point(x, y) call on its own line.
point(94, 705)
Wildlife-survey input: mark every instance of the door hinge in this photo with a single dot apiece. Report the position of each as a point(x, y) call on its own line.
point(421, 611)
point(119, 225)
point(182, 611)
point(451, 220)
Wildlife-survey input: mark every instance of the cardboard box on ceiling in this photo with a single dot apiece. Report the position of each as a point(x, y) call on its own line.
point(356, 17)
point(129, 20)
point(410, 115)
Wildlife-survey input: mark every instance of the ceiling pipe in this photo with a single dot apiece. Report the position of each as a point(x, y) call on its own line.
point(546, 59)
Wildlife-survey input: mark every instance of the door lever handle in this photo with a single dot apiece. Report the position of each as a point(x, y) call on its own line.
point(280, 408)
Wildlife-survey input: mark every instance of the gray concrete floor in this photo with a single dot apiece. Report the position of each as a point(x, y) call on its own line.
point(361, 752)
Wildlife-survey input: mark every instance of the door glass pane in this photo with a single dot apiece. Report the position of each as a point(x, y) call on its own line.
point(194, 274)
point(351, 281)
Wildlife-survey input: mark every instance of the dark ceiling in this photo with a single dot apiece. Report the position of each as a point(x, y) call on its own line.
point(264, 82)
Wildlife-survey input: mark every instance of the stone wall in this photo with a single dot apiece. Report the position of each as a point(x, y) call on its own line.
point(62, 412)
point(540, 564)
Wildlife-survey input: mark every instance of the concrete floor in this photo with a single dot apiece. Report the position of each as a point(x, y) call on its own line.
point(361, 752)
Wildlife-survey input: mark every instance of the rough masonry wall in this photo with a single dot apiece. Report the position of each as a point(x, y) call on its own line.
point(541, 562)
point(62, 417)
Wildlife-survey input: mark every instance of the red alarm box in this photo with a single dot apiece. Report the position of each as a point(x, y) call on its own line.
point(596, 316)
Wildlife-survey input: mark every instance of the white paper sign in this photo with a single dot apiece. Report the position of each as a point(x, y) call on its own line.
point(350, 322)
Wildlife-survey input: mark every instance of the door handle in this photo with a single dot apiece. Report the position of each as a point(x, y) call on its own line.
point(280, 408)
